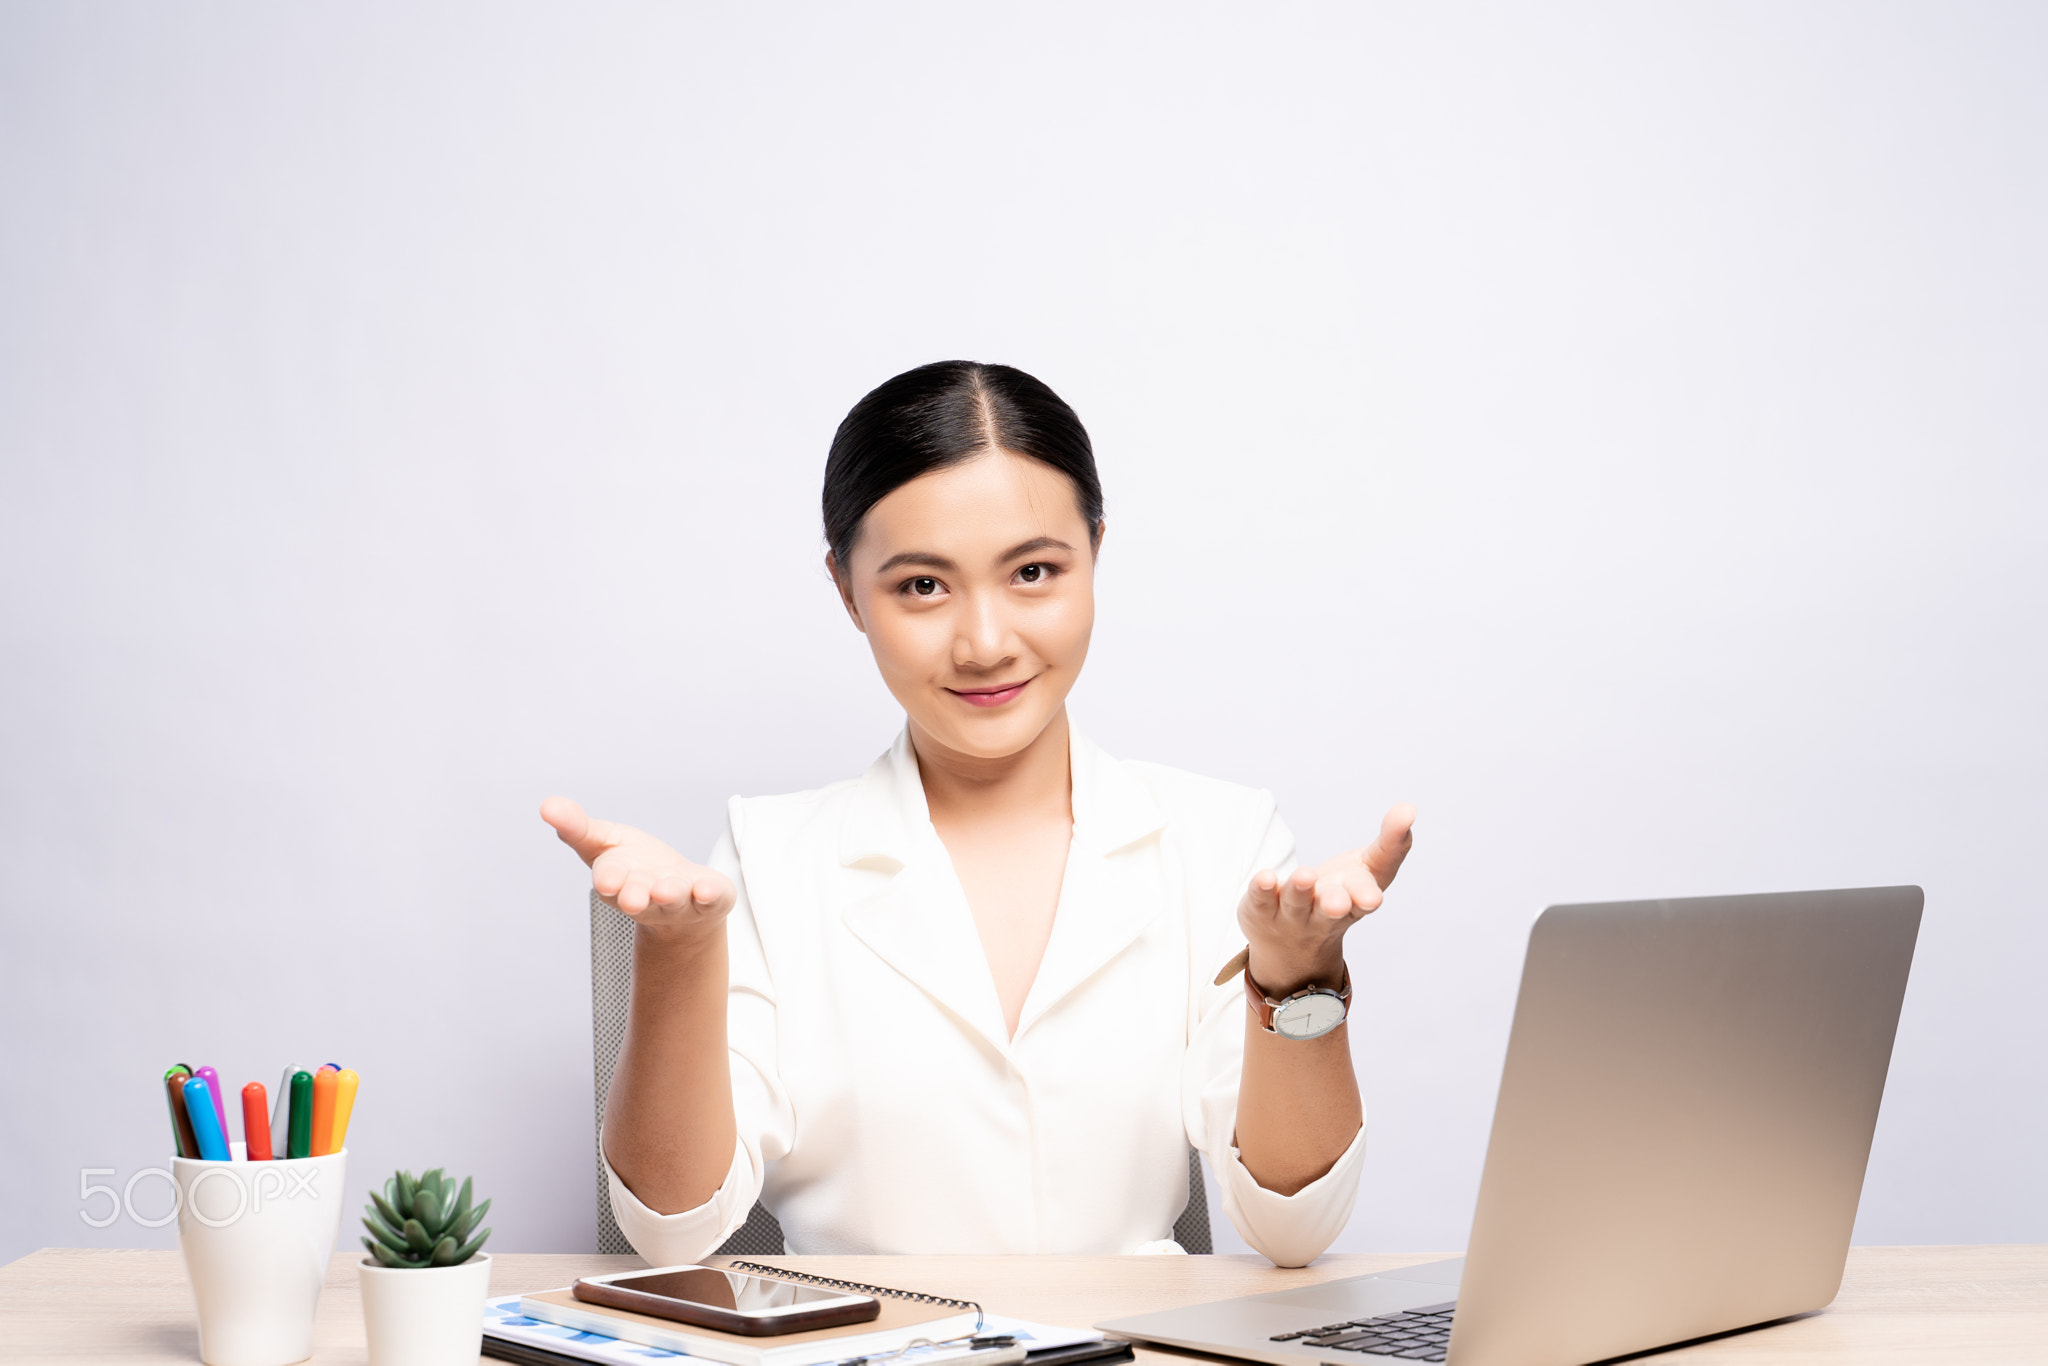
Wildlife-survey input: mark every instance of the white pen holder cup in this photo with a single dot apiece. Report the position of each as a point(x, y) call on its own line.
point(257, 1237)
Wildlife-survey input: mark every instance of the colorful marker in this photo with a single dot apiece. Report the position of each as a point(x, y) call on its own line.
point(345, 1084)
point(181, 1127)
point(322, 1140)
point(213, 1144)
point(213, 1088)
point(255, 1123)
point(301, 1142)
point(281, 1113)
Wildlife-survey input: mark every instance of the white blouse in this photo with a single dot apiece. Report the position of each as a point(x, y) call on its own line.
point(881, 1106)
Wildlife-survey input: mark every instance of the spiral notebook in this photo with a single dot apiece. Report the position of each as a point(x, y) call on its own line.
point(907, 1317)
point(511, 1336)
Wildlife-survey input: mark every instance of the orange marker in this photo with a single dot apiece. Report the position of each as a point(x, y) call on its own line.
point(345, 1082)
point(255, 1122)
point(324, 1086)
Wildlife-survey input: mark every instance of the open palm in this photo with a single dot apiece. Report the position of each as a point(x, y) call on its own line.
point(1294, 926)
point(638, 874)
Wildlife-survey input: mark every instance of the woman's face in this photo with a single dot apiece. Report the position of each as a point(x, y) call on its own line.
point(975, 586)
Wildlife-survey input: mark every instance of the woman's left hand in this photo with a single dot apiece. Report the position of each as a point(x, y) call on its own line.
point(1295, 927)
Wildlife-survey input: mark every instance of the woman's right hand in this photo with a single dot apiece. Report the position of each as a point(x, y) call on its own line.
point(638, 874)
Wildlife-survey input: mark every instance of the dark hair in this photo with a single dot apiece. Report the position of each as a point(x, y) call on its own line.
point(943, 414)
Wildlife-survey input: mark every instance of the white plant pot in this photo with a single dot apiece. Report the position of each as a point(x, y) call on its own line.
point(425, 1316)
point(257, 1237)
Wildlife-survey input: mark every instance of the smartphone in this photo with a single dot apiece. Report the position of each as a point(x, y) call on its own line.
point(730, 1301)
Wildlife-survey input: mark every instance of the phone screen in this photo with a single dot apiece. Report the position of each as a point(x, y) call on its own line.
point(726, 1289)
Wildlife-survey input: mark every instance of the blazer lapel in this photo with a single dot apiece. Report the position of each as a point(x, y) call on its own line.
point(919, 922)
point(1112, 889)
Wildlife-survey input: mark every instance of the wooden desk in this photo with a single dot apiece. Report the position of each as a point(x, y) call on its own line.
point(1898, 1304)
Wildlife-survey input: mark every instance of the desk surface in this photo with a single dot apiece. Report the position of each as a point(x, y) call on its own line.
point(1898, 1304)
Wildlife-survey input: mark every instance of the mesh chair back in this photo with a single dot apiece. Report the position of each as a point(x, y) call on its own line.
point(611, 992)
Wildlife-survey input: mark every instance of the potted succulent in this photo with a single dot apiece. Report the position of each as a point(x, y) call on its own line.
point(426, 1279)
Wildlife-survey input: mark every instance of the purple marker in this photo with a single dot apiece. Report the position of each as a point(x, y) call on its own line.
point(220, 1114)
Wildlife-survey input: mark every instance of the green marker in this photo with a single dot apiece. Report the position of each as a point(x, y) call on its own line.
point(299, 1143)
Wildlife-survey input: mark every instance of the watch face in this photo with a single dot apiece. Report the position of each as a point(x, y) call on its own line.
point(1309, 1017)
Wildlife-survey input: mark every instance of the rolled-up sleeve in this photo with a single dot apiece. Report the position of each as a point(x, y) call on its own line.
point(1289, 1230)
point(692, 1235)
point(761, 1108)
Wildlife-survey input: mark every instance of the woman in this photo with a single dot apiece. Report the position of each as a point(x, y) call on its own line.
point(970, 1001)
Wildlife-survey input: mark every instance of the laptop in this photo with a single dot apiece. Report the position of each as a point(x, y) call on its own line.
point(1678, 1146)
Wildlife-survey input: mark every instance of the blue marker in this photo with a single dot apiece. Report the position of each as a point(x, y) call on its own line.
point(213, 1144)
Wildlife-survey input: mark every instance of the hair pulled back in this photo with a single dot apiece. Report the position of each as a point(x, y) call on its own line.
point(944, 414)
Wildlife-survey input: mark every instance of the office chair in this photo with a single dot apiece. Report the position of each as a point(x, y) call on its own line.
point(611, 989)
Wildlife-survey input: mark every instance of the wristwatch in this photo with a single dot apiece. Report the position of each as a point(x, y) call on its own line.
point(1308, 1014)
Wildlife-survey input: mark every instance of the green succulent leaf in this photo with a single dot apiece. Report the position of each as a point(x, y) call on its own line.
point(383, 1207)
point(427, 1208)
point(416, 1240)
point(386, 1256)
point(461, 1210)
point(408, 1189)
point(444, 1253)
point(390, 1239)
point(469, 1221)
point(469, 1249)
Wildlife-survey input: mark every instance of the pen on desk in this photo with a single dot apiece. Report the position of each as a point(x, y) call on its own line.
point(255, 1123)
point(281, 1113)
point(301, 1142)
point(213, 1144)
point(181, 1127)
point(321, 1141)
point(213, 1088)
point(345, 1083)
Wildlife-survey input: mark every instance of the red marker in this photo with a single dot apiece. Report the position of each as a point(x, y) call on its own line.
point(256, 1122)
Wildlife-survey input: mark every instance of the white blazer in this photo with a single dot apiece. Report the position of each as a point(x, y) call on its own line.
point(881, 1107)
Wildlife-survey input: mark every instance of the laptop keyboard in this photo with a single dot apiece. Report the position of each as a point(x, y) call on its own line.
point(1411, 1335)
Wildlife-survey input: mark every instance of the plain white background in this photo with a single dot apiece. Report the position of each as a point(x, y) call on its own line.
point(1618, 429)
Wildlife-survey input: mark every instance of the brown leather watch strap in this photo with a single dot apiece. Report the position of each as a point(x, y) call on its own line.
point(1263, 1005)
point(1241, 961)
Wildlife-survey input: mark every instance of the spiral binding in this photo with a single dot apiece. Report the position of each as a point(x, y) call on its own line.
point(784, 1274)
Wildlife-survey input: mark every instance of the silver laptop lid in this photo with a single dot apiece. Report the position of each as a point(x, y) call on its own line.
point(1684, 1119)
